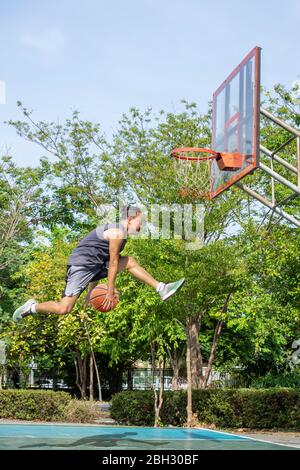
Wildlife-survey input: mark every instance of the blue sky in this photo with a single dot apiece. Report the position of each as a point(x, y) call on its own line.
point(103, 57)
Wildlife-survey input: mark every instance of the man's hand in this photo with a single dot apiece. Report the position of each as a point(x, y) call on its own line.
point(94, 284)
point(117, 294)
point(110, 300)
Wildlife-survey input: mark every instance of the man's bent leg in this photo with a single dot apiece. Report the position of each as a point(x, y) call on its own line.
point(65, 305)
point(129, 263)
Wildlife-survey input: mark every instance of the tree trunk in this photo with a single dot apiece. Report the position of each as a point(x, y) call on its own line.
point(95, 363)
point(116, 379)
point(55, 379)
point(80, 366)
point(216, 339)
point(97, 375)
point(195, 351)
point(77, 373)
point(189, 407)
point(91, 378)
point(83, 378)
point(175, 366)
point(129, 379)
point(158, 400)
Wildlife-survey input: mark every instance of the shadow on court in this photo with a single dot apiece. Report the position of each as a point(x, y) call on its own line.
point(100, 441)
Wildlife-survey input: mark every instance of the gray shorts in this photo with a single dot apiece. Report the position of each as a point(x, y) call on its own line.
point(78, 277)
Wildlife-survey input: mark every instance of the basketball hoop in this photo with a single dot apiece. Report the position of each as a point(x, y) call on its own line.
point(192, 167)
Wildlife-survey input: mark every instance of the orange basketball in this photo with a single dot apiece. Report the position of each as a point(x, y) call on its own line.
point(97, 297)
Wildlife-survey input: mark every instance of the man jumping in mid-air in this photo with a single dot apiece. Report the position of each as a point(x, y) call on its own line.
point(98, 256)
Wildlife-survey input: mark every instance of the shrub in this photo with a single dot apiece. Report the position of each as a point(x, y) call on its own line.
point(227, 408)
point(269, 408)
point(33, 404)
point(133, 408)
point(45, 405)
point(78, 411)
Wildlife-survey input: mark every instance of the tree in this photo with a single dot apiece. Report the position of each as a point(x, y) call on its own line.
point(22, 199)
point(266, 314)
point(75, 171)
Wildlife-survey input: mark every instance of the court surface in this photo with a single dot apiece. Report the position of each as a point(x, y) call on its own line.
point(89, 437)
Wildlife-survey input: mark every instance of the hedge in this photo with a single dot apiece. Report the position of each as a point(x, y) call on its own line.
point(45, 405)
point(227, 408)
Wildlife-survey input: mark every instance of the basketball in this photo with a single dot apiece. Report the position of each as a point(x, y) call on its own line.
point(97, 297)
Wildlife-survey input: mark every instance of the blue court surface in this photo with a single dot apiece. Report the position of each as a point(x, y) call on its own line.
point(87, 437)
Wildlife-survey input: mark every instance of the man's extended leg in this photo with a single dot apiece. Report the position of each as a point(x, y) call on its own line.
point(164, 290)
point(77, 278)
point(65, 305)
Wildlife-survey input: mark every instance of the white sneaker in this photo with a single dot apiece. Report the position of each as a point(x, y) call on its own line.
point(25, 308)
point(170, 289)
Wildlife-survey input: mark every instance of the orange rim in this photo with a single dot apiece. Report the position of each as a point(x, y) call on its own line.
point(177, 153)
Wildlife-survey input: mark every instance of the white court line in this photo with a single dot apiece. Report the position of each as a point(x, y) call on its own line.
point(250, 438)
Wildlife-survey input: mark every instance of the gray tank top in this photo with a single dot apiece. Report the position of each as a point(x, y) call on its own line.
point(93, 250)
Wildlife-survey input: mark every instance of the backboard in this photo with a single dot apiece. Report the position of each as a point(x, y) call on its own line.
point(235, 121)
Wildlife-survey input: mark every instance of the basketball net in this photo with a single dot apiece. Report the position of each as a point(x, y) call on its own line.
point(192, 171)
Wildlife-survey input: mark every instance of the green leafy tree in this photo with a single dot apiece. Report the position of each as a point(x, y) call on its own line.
point(23, 198)
point(75, 168)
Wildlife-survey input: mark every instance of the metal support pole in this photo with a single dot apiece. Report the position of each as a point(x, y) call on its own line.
point(280, 123)
point(278, 159)
point(287, 142)
point(268, 204)
point(276, 176)
point(280, 178)
point(273, 184)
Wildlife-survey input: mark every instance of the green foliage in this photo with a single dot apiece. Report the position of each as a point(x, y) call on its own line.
point(22, 195)
point(227, 408)
point(289, 379)
point(33, 405)
point(264, 315)
point(134, 408)
point(75, 176)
